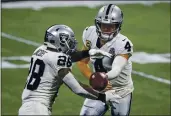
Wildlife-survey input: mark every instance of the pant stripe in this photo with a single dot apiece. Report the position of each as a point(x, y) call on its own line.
point(129, 105)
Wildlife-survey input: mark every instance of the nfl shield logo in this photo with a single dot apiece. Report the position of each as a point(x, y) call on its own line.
point(112, 51)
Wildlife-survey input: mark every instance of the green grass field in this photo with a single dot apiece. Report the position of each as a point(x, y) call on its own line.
point(148, 27)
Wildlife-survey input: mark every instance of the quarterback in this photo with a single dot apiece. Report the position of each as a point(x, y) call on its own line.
point(50, 67)
point(105, 36)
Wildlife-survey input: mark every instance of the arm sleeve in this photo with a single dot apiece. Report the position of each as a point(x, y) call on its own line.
point(124, 52)
point(79, 55)
point(117, 66)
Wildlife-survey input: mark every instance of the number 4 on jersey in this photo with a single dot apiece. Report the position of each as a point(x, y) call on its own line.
point(128, 46)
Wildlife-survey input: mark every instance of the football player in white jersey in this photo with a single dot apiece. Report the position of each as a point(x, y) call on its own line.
point(105, 36)
point(50, 67)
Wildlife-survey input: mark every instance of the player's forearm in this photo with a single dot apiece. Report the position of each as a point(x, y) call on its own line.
point(80, 89)
point(79, 55)
point(117, 66)
point(84, 68)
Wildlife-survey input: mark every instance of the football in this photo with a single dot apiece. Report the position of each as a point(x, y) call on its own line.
point(98, 81)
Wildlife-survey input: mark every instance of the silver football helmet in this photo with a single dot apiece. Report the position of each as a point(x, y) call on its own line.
point(62, 37)
point(108, 22)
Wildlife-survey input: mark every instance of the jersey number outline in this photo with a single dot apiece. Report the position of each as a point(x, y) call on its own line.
point(36, 70)
point(64, 61)
point(128, 46)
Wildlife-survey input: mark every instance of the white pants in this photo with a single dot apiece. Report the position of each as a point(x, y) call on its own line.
point(33, 108)
point(98, 108)
point(93, 108)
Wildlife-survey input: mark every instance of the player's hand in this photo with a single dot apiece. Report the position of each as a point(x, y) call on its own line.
point(94, 53)
point(112, 96)
point(109, 87)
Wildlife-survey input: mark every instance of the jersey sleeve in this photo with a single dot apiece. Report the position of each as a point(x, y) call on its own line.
point(124, 46)
point(86, 34)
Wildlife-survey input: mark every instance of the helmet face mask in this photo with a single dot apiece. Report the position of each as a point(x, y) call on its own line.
point(108, 28)
point(108, 22)
point(62, 37)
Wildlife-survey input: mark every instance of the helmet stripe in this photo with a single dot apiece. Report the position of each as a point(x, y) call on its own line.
point(108, 9)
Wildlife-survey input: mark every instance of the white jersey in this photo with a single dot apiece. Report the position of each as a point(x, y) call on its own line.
point(120, 44)
point(43, 81)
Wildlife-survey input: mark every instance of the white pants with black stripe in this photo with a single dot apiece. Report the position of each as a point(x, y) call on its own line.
point(98, 108)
